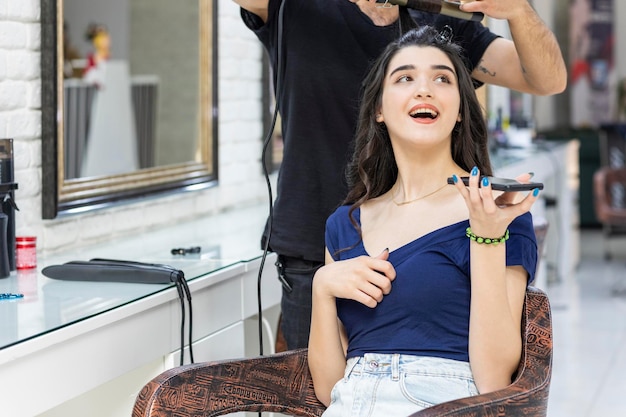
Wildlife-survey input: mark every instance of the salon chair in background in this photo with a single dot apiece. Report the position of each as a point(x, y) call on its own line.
point(609, 191)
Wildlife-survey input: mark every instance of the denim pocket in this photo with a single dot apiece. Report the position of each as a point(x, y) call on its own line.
point(430, 389)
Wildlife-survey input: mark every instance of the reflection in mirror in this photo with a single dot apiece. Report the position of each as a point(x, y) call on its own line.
point(132, 83)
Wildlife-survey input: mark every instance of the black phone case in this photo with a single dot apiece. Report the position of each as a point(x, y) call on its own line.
point(504, 184)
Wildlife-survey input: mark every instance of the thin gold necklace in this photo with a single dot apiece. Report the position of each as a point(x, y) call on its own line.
point(402, 203)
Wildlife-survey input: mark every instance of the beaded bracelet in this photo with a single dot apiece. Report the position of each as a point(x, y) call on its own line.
point(487, 240)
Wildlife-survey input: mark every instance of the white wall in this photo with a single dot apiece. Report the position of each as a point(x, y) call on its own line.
point(240, 132)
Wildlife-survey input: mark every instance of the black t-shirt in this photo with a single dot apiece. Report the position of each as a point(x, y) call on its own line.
point(328, 47)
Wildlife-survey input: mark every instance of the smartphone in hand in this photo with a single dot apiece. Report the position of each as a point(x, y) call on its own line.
point(504, 184)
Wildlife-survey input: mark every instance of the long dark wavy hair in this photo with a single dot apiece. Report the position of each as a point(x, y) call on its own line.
point(372, 170)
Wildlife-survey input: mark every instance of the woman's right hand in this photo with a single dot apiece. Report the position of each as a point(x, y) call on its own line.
point(364, 279)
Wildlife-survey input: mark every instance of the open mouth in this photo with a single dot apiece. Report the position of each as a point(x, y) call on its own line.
point(424, 113)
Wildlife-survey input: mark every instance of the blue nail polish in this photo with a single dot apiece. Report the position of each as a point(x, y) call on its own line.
point(485, 181)
point(455, 178)
point(535, 192)
point(474, 171)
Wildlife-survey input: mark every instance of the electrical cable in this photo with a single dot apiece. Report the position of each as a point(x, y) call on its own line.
point(266, 142)
point(181, 297)
point(183, 284)
point(184, 293)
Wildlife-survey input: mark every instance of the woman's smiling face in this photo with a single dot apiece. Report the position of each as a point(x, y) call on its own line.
point(420, 99)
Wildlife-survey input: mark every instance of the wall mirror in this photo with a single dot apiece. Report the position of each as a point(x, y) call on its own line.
point(128, 100)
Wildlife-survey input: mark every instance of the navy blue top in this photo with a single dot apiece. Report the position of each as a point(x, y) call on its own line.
point(427, 311)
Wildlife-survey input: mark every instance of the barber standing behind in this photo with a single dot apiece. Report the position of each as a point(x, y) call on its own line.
point(328, 46)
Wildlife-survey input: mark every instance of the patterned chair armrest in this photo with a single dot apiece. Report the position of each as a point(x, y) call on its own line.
point(527, 396)
point(278, 383)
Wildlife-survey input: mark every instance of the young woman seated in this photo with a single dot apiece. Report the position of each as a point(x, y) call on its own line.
point(421, 296)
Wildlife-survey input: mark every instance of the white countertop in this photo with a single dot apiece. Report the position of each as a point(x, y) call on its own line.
point(226, 240)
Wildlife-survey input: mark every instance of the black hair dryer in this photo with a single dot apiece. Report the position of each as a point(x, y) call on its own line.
point(7, 215)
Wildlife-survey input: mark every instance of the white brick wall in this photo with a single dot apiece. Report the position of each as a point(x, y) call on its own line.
point(240, 134)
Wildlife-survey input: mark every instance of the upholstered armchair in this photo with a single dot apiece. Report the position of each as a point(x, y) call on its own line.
point(281, 383)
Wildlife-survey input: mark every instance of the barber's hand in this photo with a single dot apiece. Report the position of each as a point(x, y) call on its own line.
point(488, 216)
point(498, 9)
point(364, 279)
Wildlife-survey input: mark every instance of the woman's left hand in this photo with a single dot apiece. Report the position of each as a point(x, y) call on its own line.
point(490, 216)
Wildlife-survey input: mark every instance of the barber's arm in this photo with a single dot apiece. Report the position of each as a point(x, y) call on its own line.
point(532, 62)
point(258, 7)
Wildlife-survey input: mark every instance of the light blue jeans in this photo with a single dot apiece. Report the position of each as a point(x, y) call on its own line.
point(383, 385)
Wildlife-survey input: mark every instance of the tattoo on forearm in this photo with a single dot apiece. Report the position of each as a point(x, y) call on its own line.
point(485, 70)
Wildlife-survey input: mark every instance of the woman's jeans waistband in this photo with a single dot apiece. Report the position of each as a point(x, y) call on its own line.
point(380, 385)
point(381, 363)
